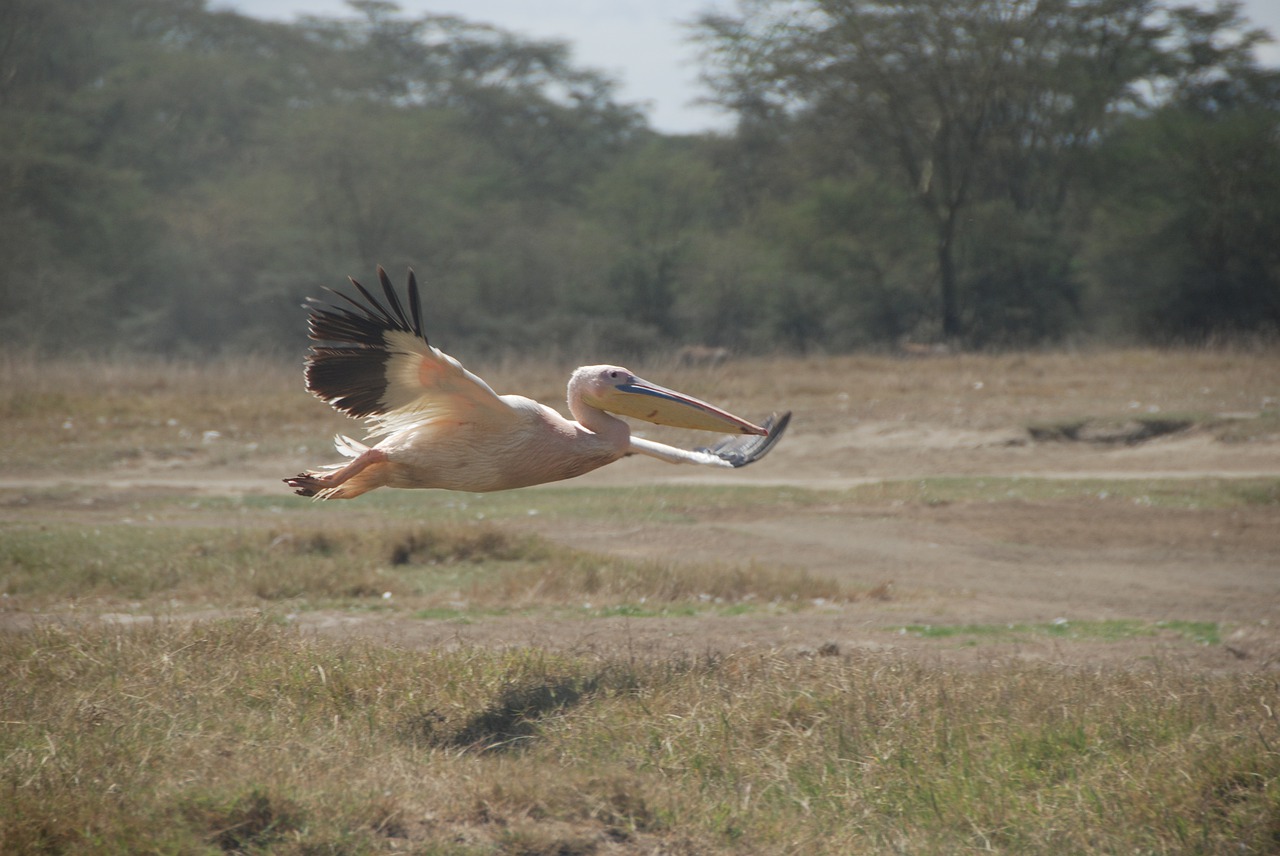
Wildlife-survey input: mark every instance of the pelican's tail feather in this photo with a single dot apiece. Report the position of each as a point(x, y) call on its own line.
point(349, 447)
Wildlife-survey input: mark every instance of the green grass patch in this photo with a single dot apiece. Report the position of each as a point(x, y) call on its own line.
point(1200, 632)
point(639, 610)
point(705, 605)
point(1197, 493)
point(642, 504)
point(453, 615)
point(667, 504)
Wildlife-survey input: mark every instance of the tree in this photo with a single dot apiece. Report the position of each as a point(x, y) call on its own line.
point(552, 121)
point(969, 105)
point(1184, 242)
point(654, 202)
point(194, 172)
point(66, 216)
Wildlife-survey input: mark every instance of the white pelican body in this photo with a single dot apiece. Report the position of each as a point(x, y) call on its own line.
point(443, 427)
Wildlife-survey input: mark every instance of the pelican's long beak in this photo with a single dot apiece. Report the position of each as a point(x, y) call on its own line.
point(644, 400)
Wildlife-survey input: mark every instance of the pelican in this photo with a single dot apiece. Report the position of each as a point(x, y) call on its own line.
point(443, 427)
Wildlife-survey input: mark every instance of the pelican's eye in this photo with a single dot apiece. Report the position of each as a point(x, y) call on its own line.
point(615, 375)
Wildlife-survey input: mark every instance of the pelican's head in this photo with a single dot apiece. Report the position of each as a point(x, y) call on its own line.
point(617, 390)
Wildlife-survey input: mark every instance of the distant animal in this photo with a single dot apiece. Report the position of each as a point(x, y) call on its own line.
point(919, 349)
point(443, 427)
point(701, 356)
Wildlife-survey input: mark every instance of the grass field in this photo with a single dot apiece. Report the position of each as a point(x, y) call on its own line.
point(941, 617)
point(244, 735)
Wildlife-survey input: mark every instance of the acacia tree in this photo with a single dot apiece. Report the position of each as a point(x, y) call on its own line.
point(970, 105)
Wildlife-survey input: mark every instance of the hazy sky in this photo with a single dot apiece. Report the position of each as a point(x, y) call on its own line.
point(639, 43)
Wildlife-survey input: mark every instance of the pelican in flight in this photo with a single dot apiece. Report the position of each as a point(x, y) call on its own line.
point(443, 427)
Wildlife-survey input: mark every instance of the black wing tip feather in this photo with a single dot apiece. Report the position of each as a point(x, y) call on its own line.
point(747, 449)
point(415, 306)
point(347, 364)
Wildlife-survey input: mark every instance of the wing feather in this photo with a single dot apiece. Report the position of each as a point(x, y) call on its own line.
point(397, 310)
point(740, 451)
point(371, 360)
point(415, 306)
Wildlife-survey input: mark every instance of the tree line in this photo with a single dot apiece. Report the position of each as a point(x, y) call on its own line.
point(176, 179)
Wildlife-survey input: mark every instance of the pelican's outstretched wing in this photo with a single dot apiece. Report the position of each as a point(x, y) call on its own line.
point(732, 452)
point(373, 361)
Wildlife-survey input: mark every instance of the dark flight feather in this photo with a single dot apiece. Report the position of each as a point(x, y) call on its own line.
point(348, 365)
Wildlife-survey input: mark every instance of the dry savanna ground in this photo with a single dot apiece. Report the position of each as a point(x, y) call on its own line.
point(1020, 602)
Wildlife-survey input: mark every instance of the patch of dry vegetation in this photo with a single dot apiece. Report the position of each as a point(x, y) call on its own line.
point(458, 569)
point(996, 390)
point(245, 736)
point(120, 414)
point(125, 414)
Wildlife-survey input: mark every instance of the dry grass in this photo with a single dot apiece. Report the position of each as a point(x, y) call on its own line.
point(75, 415)
point(455, 570)
point(244, 736)
point(80, 415)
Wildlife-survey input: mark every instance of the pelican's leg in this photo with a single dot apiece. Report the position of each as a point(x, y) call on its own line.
point(335, 485)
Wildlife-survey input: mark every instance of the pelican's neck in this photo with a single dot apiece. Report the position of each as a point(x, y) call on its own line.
point(594, 419)
point(604, 424)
